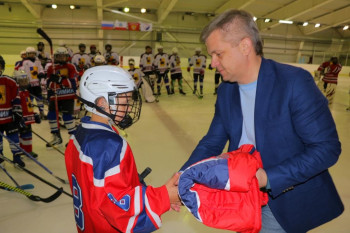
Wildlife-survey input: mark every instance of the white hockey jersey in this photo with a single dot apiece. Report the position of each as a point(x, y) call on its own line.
point(161, 62)
point(33, 69)
point(199, 62)
point(175, 64)
point(146, 62)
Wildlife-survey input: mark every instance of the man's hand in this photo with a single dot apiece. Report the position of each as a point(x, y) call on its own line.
point(171, 186)
point(262, 177)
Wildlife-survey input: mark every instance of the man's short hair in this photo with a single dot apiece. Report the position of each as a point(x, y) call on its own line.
point(236, 25)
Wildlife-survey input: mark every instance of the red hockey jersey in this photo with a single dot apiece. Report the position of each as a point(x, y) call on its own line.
point(331, 71)
point(65, 90)
point(107, 194)
point(9, 99)
point(27, 107)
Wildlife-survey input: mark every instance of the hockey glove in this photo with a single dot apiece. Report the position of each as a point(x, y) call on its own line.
point(41, 76)
point(188, 69)
point(55, 78)
point(201, 72)
point(210, 67)
point(37, 118)
point(19, 121)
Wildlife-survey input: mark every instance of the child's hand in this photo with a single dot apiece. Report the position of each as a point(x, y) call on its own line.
point(171, 186)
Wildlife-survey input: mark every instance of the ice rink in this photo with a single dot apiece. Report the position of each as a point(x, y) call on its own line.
point(163, 139)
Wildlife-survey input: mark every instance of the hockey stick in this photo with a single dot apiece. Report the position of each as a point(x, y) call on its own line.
point(196, 93)
point(34, 175)
point(48, 39)
point(35, 160)
point(145, 173)
point(54, 147)
point(29, 195)
point(25, 186)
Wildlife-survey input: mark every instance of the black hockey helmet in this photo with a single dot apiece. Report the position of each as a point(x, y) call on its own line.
point(40, 43)
point(334, 60)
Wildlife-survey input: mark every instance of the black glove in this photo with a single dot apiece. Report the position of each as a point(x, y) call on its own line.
point(37, 118)
point(41, 76)
point(56, 78)
point(209, 67)
point(19, 121)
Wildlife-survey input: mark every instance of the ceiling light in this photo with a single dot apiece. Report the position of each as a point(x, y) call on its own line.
point(346, 27)
point(72, 7)
point(267, 20)
point(54, 6)
point(143, 10)
point(255, 18)
point(285, 21)
point(317, 25)
point(126, 9)
point(305, 24)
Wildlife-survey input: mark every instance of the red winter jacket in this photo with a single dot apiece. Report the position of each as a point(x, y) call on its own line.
point(224, 192)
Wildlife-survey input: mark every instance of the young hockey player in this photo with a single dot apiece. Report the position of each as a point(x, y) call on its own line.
point(29, 116)
point(330, 71)
point(136, 74)
point(198, 61)
point(93, 53)
point(107, 193)
point(175, 70)
point(19, 63)
point(61, 86)
point(112, 58)
point(161, 66)
point(146, 65)
point(81, 60)
point(10, 113)
point(41, 54)
point(32, 66)
point(217, 78)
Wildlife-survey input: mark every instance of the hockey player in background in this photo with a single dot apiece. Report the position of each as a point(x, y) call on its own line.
point(10, 113)
point(175, 70)
point(19, 63)
point(136, 74)
point(217, 78)
point(41, 54)
point(81, 60)
point(28, 114)
point(61, 43)
point(93, 53)
point(32, 66)
point(108, 195)
point(61, 86)
point(161, 67)
point(146, 65)
point(112, 58)
point(328, 84)
point(198, 61)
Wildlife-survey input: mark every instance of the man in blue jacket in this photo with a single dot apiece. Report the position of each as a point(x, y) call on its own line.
point(279, 109)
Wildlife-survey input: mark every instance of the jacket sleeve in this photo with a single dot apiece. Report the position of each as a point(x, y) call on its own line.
point(126, 204)
point(212, 143)
point(314, 128)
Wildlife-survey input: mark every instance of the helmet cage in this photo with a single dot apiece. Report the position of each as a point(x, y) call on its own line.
point(125, 108)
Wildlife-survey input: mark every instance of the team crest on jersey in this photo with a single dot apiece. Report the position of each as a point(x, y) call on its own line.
point(123, 203)
point(2, 94)
point(34, 72)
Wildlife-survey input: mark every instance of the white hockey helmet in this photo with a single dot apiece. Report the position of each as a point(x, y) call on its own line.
point(99, 60)
point(21, 77)
point(23, 52)
point(175, 50)
point(118, 88)
point(198, 49)
point(159, 47)
point(30, 50)
point(61, 50)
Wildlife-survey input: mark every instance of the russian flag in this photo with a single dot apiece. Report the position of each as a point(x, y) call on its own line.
point(108, 25)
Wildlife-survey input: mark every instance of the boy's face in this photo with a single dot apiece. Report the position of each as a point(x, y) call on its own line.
point(121, 106)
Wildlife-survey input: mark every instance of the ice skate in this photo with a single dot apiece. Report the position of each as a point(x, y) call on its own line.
point(56, 141)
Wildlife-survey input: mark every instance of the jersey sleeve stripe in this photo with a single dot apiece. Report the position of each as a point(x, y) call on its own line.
point(155, 217)
point(137, 209)
point(82, 157)
point(94, 126)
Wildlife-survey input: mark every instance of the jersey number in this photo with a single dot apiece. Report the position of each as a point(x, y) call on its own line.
point(77, 203)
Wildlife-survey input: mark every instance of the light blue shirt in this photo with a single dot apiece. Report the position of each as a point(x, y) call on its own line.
point(247, 93)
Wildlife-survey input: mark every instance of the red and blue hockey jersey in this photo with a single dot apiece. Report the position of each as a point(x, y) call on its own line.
point(224, 192)
point(9, 100)
point(107, 194)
